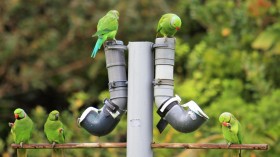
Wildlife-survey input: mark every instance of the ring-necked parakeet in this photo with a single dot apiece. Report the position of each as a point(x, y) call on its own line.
point(54, 131)
point(21, 130)
point(231, 129)
point(168, 25)
point(107, 28)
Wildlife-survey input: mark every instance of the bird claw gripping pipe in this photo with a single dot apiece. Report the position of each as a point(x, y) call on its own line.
point(100, 122)
point(169, 108)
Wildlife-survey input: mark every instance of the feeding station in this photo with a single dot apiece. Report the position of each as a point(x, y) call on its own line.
point(150, 80)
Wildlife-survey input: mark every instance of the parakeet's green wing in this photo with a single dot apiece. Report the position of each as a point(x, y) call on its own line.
point(236, 129)
point(101, 32)
point(239, 134)
point(159, 26)
point(161, 21)
point(107, 24)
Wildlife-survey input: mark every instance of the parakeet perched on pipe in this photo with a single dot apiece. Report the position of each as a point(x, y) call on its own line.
point(168, 25)
point(21, 130)
point(231, 129)
point(54, 131)
point(107, 28)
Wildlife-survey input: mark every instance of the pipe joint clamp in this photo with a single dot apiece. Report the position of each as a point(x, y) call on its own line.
point(163, 82)
point(113, 109)
point(115, 44)
point(116, 84)
point(164, 46)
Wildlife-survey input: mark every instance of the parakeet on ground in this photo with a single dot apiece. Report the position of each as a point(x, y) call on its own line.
point(168, 25)
point(107, 28)
point(231, 129)
point(54, 131)
point(21, 130)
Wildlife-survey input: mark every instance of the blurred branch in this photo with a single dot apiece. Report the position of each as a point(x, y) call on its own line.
point(163, 5)
point(70, 67)
point(210, 146)
point(70, 145)
point(153, 145)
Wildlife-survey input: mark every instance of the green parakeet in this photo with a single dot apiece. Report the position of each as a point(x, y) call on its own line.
point(107, 28)
point(168, 25)
point(21, 130)
point(54, 131)
point(231, 129)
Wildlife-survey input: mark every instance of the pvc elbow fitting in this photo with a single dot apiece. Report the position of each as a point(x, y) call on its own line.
point(101, 122)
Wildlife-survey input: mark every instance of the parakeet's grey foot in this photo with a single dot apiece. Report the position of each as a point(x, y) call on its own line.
point(11, 124)
point(21, 144)
point(53, 144)
point(165, 39)
point(229, 145)
point(61, 130)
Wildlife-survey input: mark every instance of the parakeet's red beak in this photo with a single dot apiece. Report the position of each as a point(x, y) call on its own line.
point(16, 116)
point(225, 124)
point(177, 28)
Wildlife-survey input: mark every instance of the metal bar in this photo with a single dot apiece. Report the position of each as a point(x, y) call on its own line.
point(153, 145)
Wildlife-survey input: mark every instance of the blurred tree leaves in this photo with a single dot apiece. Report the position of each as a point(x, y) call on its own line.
point(269, 39)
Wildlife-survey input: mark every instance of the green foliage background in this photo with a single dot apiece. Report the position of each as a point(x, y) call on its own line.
point(227, 59)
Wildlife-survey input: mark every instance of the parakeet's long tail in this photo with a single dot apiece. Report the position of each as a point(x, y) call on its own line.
point(239, 154)
point(97, 46)
point(21, 153)
point(58, 153)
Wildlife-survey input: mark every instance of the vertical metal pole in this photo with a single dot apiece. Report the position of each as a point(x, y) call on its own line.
point(140, 99)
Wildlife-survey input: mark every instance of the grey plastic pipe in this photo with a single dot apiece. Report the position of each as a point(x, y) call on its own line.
point(169, 107)
point(140, 99)
point(100, 122)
